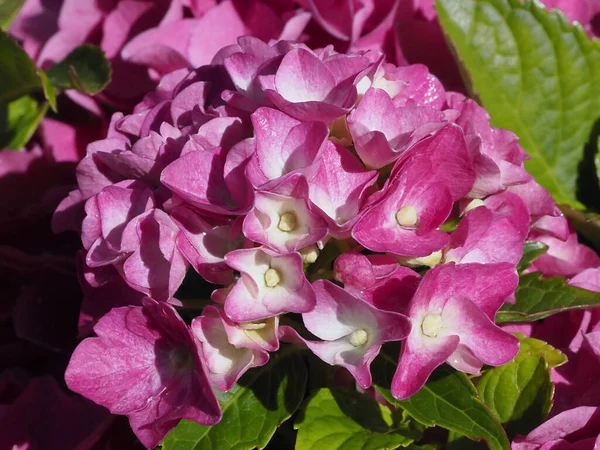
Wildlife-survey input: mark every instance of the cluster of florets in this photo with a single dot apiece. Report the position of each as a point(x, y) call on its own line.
point(245, 170)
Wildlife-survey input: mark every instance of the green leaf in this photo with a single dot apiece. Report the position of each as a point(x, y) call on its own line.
point(520, 392)
point(340, 419)
point(49, 89)
point(252, 410)
point(8, 11)
point(85, 69)
point(18, 73)
point(539, 297)
point(586, 223)
point(536, 74)
point(448, 400)
point(531, 250)
point(597, 158)
point(554, 357)
point(18, 121)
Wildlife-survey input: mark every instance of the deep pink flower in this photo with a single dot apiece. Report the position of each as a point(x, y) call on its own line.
point(452, 315)
point(418, 198)
point(146, 364)
point(377, 279)
point(339, 189)
point(107, 215)
point(205, 245)
point(564, 258)
point(352, 330)
point(200, 178)
point(195, 41)
point(575, 429)
point(491, 233)
point(26, 424)
point(270, 284)
point(546, 217)
point(50, 30)
point(496, 154)
point(284, 145)
point(155, 265)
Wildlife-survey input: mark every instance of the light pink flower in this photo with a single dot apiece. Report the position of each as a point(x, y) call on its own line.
point(283, 217)
point(270, 284)
point(546, 217)
point(284, 146)
point(382, 132)
point(352, 330)
point(227, 350)
point(491, 233)
point(313, 88)
point(564, 258)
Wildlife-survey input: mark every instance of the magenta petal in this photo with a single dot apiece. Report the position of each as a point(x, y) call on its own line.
point(419, 357)
point(145, 364)
point(156, 267)
point(164, 48)
point(339, 188)
point(353, 330)
point(198, 178)
point(225, 363)
point(488, 342)
point(284, 144)
point(486, 285)
point(583, 421)
point(383, 133)
point(302, 77)
point(270, 284)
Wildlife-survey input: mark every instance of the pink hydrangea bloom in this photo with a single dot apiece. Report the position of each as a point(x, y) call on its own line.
point(452, 321)
point(145, 363)
point(270, 284)
point(418, 198)
point(256, 170)
point(227, 349)
point(352, 330)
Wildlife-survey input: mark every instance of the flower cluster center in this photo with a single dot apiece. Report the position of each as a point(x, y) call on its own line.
point(272, 277)
point(287, 222)
point(432, 324)
point(359, 338)
point(407, 216)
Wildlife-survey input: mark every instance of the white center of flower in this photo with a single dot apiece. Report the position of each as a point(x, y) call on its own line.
point(253, 325)
point(287, 222)
point(359, 338)
point(432, 324)
point(309, 254)
point(272, 278)
point(407, 216)
point(475, 203)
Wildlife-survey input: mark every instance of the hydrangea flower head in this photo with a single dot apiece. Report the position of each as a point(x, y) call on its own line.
point(274, 171)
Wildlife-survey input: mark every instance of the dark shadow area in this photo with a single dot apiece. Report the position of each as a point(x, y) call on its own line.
point(285, 368)
point(588, 188)
point(361, 408)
